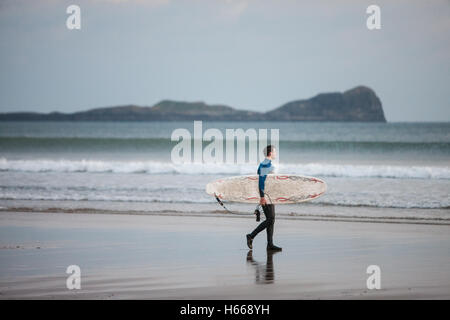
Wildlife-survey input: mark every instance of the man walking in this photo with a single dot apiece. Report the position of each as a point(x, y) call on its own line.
point(265, 167)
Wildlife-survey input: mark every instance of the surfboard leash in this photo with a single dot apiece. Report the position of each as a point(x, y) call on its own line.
point(257, 211)
point(221, 203)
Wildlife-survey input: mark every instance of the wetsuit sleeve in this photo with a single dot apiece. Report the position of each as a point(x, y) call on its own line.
point(263, 169)
point(261, 183)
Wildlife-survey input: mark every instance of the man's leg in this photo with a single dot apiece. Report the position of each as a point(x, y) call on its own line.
point(263, 225)
point(260, 227)
point(270, 218)
point(269, 211)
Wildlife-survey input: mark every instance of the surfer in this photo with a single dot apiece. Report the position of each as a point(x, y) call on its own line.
point(265, 167)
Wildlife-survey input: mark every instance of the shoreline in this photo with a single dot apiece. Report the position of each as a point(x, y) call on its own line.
point(385, 218)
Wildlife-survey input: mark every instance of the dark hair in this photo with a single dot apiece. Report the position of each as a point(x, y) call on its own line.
point(268, 150)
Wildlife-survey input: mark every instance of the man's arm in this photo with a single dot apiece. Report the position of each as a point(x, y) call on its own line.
point(261, 183)
point(263, 170)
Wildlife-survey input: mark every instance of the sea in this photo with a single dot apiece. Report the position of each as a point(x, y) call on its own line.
point(397, 172)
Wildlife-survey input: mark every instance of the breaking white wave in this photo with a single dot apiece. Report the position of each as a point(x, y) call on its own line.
point(154, 167)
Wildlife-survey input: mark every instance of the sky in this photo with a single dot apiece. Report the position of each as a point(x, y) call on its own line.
point(248, 54)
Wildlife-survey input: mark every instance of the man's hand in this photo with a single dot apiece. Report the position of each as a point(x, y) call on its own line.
point(262, 201)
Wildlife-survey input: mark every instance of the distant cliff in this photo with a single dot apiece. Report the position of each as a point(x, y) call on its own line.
point(357, 104)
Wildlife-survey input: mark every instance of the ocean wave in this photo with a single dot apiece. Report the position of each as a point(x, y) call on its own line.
point(133, 189)
point(102, 197)
point(187, 200)
point(152, 143)
point(155, 167)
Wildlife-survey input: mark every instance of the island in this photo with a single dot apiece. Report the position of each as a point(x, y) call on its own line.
point(359, 104)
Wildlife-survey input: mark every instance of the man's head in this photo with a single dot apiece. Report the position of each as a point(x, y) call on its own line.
point(270, 152)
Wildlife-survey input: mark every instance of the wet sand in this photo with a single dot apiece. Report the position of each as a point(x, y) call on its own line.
point(199, 257)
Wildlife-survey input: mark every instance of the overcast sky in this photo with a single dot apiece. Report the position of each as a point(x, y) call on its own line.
point(248, 54)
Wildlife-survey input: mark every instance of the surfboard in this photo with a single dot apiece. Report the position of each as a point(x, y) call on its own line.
point(279, 188)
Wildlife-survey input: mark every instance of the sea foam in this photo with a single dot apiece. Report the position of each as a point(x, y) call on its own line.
point(155, 167)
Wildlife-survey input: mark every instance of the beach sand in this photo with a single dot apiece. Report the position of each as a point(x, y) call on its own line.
point(162, 256)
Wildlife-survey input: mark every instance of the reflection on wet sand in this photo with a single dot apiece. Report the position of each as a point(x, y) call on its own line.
point(264, 274)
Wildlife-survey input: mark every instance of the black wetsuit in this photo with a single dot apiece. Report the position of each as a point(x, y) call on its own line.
point(265, 168)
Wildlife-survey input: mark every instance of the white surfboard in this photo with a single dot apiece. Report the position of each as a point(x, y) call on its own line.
point(279, 188)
